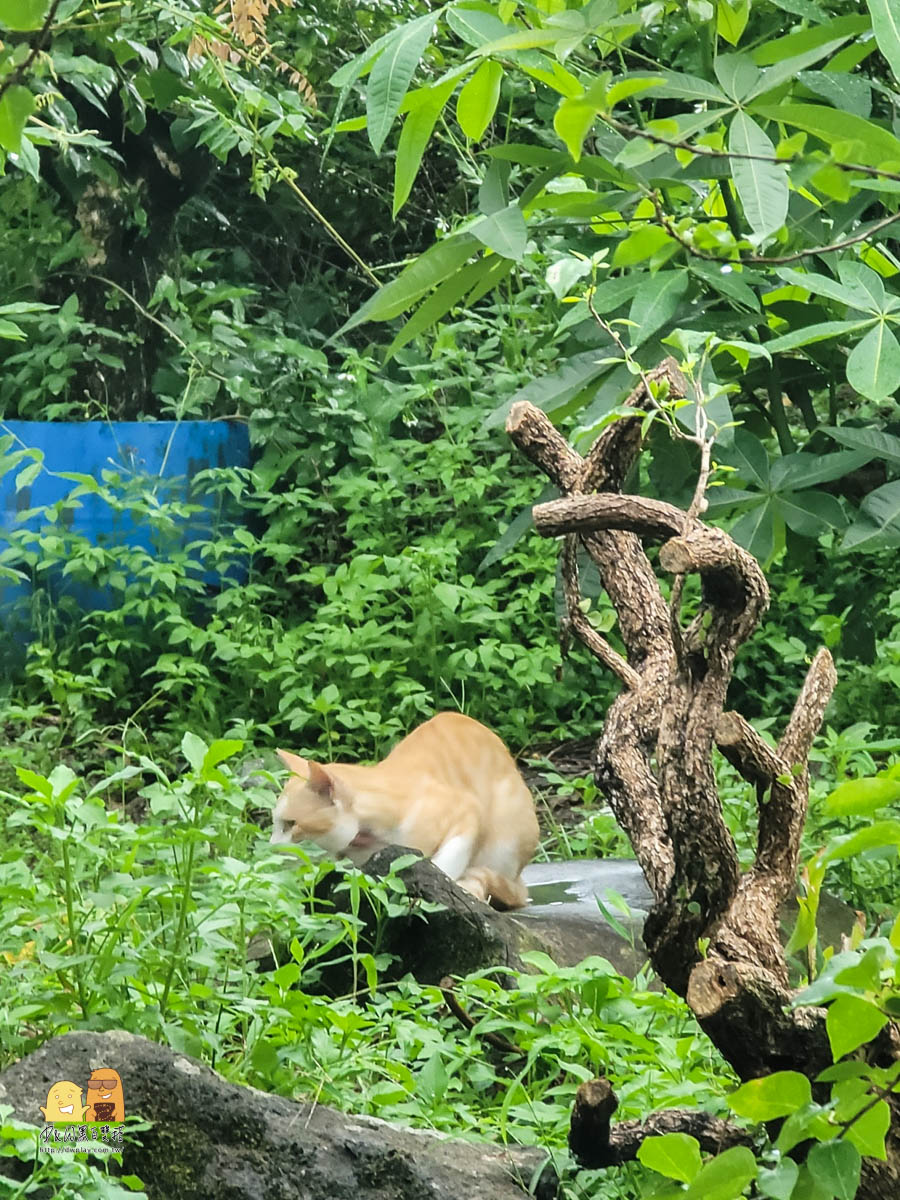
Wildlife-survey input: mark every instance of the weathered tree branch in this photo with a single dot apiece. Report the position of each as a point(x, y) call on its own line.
point(608, 510)
point(577, 620)
point(712, 934)
point(595, 1142)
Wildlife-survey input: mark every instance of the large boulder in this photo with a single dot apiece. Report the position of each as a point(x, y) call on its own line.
point(212, 1140)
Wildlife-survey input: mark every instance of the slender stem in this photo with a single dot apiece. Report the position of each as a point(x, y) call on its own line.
point(182, 922)
point(287, 177)
point(70, 916)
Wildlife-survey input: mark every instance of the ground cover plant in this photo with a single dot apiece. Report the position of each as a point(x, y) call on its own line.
point(367, 231)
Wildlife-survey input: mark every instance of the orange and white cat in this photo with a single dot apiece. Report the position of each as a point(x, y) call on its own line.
point(449, 789)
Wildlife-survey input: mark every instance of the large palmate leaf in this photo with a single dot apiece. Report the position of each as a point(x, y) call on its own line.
point(762, 186)
point(392, 73)
point(840, 291)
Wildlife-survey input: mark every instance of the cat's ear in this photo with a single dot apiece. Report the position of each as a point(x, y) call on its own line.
point(320, 781)
point(293, 762)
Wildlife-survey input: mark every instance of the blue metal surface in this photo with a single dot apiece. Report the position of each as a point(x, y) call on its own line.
point(164, 455)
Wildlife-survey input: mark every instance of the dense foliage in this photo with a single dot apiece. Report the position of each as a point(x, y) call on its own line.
point(364, 230)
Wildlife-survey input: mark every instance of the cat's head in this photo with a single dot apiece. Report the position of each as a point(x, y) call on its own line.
point(312, 808)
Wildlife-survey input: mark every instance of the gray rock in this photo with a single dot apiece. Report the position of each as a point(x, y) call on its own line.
point(212, 1140)
point(563, 920)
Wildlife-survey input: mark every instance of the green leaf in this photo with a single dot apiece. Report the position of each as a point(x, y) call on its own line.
point(878, 523)
point(851, 93)
point(655, 303)
point(790, 68)
point(519, 525)
point(886, 27)
point(823, 285)
point(874, 837)
point(762, 186)
point(878, 444)
point(221, 749)
point(640, 245)
point(690, 87)
point(868, 1131)
point(428, 270)
point(778, 49)
point(675, 1155)
point(731, 19)
point(811, 513)
point(861, 797)
point(392, 73)
point(16, 106)
point(724, 1177)
point(836, 1165)
point(418, 126)
point(728, 282)
point(873, 368)
point(474, 25)
point(23, 15)
point(778, 1183)
point(448, 594)
point(550, 392)
point(27, 475)
point(440, 302)
point(477, 101)
point(776, 1095)
point(872, 144)
point(522, 39)
point(755, 530)
point(748, 455)
point(814, 333)
point(737, 73)
point(802, 470)
point(194, 750)
point(575, 116)
point(504, 232)
point(865, 286)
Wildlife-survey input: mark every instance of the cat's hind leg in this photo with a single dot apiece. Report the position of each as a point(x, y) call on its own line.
point(454, 855)
point(495, 889)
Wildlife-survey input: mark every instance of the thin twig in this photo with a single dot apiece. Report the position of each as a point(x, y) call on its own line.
point(767, 259)
point(497, 1040)
point(709, 152)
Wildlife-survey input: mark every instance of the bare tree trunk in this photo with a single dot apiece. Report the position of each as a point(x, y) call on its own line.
point(712, 934)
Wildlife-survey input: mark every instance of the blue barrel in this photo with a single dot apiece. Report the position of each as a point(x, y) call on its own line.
point(163, 457)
